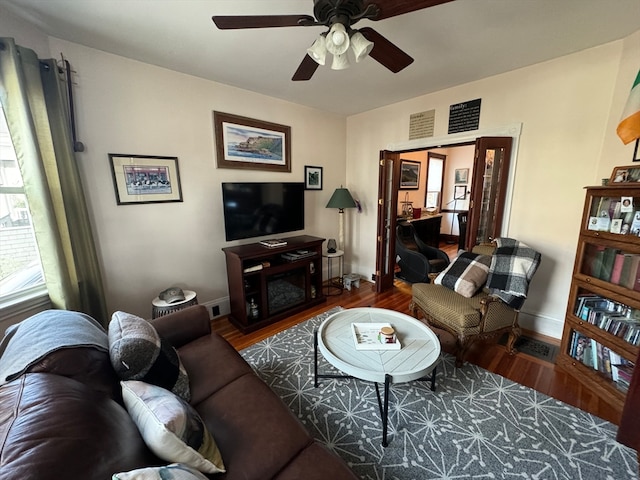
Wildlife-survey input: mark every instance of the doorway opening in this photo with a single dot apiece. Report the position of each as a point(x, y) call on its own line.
point(481, 186)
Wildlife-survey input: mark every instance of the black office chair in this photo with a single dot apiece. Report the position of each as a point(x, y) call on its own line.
point(438, 260)
point(417, 260)
point(462, 230)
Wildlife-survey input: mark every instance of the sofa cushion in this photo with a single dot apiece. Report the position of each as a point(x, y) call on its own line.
point(138, 352)
point(53, 427)
point(171, 427)
point(175, 471)
point(466, 274)
point(257, 433)
point(448, 307)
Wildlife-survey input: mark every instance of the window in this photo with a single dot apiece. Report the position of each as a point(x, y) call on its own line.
point(20, 267)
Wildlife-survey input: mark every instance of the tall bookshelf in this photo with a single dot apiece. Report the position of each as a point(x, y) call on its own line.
point(602, 325)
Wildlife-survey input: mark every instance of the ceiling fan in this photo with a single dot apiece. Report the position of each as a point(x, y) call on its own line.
point(339, 16)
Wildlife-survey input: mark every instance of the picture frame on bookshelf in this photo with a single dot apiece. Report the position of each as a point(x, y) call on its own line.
point(625, 174)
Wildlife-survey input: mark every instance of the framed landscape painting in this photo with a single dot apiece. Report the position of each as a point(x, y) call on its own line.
point(248, 143)
point(409, 175)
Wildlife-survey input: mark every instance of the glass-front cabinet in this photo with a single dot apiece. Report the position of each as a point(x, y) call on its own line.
point(601, 334)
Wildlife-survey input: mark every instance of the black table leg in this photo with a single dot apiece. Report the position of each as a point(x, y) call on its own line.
point(315, 358)
point(384, 407)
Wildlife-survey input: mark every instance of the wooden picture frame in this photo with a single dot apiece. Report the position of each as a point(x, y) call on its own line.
point(625, 174)
point(460, 192)
point(461, 176)
point(312, 178)
point(409, 175)
point(145, 178)
point(432, 200)
point(247, 143)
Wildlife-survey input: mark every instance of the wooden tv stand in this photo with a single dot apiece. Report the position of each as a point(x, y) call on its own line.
point(280, 280)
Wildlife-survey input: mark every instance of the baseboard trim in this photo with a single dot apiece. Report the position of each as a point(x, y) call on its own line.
point(223, 303)
point(551, 327)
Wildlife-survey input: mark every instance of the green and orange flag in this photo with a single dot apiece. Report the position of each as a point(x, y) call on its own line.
point(629, 127)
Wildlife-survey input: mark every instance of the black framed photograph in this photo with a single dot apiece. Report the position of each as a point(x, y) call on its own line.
point(461, 176)
point(145, 178)
point(460, 192)
point(312, 178)
point(409, 175)
point(247, 143)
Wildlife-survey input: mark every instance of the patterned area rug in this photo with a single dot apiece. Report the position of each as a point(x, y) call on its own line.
point(475, 425)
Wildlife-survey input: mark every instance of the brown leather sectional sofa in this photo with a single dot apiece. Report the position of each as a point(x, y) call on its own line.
point(64, 418)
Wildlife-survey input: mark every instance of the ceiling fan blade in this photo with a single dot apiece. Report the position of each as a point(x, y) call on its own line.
point(386, 52)
point(392, 8)
point(305, 71)
point(230, 22)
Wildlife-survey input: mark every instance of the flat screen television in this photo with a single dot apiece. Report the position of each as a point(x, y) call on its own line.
point(254, 209)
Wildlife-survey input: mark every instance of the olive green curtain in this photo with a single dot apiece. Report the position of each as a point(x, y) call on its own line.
point(34, 96)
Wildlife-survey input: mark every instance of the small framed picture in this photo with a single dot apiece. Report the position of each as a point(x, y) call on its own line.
point(628, 174)
point(462, 176)
point(312, 178)
point(409, 175)
point(460, 192)
point(432, 200)
point(145, 179)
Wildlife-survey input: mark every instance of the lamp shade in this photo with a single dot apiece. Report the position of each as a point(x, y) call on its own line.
point(360, 46)
point(318, 51)
point(340, 62)
point(337, 39)
point(341, 198)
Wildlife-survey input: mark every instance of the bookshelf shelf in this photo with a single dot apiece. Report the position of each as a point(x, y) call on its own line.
point(601, 335)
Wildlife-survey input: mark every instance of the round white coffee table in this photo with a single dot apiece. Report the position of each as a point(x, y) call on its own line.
point(415, 360)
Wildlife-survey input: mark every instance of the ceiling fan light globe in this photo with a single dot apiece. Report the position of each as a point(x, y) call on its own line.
point(337, 39)
point(360, 46)
point(318, 51)
point(340, 62)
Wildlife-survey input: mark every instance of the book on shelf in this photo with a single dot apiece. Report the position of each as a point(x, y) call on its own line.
point(276, 242)
point(616, 270)
point(614, 317)
point(608, 260)
point(601, 358)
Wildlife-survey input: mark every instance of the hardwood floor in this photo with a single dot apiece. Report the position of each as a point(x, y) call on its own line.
point(521, 368)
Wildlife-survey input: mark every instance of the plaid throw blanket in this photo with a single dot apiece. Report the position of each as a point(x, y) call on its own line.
point(512, 267)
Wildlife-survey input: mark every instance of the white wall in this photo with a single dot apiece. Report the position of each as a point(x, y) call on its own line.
point(568, 108)
point(125, 106)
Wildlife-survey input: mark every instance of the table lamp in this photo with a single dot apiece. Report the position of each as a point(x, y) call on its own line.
point(341, 199)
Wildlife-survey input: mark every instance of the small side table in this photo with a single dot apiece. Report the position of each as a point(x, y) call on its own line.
point(162, 308)
point(334, 285)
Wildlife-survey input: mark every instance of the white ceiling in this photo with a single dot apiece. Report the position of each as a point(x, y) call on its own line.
point(452, 44)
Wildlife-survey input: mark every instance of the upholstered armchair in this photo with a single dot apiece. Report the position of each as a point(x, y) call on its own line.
point(462, 302)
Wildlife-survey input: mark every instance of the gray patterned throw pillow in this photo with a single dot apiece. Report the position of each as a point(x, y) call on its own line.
point(137, 352)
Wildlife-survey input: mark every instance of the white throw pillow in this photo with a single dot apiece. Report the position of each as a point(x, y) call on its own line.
point(167, 423)
point(175, 471)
